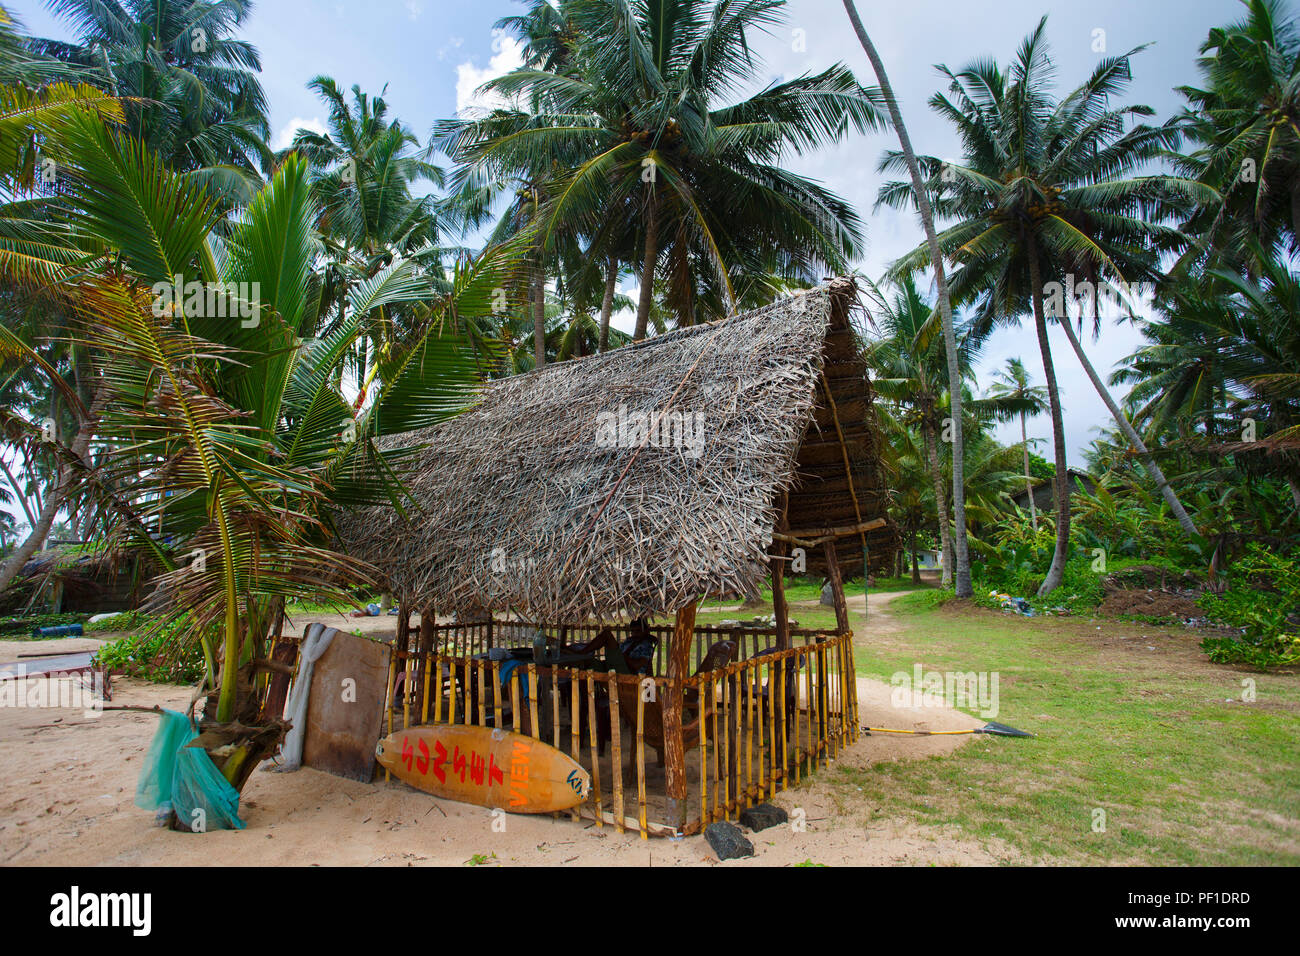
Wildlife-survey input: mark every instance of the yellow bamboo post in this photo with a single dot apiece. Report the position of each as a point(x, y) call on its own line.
point(516, 716)
point(726, 752)
point(437, 700)
point(428, 679)
point(575, 723)
point(534, 724)
point(749, 730)
point(706, 817)
point(481, 668)
point(406, 693)
point(555, 708)
point(595, 754)
point(452, 680)
point(640, 761)
point(616, 753)
point(498, 715)
point(771, 724)
point(797, 748)
point(714, 770)
point(733, 775)
point(388, 698)
point(785, 742)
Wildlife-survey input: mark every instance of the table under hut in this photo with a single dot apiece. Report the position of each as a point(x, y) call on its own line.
point(565, 529)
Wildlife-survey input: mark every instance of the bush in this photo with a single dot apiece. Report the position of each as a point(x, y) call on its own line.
point(22, 625)
point(1262, 600)
point(155, 654)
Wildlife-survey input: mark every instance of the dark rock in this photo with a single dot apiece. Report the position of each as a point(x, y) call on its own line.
point(727, 841)
point(828, 596)
point(763, 815)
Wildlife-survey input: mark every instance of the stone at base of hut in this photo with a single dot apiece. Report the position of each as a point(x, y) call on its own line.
point(828, 597)
point(763, 815)
point(727, 841)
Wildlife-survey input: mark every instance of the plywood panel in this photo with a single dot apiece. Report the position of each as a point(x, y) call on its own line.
point(344, 720)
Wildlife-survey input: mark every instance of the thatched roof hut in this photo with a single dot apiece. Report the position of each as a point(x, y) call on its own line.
point(637, 481)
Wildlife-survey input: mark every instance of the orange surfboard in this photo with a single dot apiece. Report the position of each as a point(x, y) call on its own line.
point(480, 765)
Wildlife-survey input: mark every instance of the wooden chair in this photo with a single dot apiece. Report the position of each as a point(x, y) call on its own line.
point(718, 656)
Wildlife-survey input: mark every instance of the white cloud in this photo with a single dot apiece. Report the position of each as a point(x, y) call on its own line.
point(414, 8)
point(507, 55)
point(284, 138)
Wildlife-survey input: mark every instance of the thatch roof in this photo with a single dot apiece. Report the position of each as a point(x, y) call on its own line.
point(545, 499)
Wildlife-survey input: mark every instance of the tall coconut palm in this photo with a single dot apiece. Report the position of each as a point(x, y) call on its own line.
point(643, 136)
point(1046, 189)
point(1245, 123)
point(189, 82)
point(1012, 381)
point(961, 547)
point(909, 368)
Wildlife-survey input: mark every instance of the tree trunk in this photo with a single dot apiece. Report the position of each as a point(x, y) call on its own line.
point(648, 267)
point(941, 502)
point(674, 747)
point(607, 304)
point(1295, 490)
point(1029, 483)
point(1130, 433)
point(916, 571)
point(539, 322)
point(19, 494)
point(1061, 481)
point(960, 544)
point(54, 500)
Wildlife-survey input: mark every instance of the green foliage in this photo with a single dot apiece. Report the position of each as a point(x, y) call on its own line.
point(1263, 600)
point(18, 626)
point(159, 654)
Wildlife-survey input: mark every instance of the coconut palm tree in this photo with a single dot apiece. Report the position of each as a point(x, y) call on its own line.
point(926, 215)
point(1046, 190)
point(226, 439)
point(1245, 123)
point(642, 141)
point(1012, 381)
point(189, 83)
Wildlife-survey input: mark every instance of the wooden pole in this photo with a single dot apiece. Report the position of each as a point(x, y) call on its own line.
point(616, 752)
point(674, 746)
point(779, 608)
point(837, 588)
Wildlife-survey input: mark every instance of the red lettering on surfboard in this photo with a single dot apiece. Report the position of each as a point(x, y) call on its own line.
point(440, 758)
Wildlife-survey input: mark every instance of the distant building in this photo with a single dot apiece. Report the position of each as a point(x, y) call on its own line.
point(1043, 491)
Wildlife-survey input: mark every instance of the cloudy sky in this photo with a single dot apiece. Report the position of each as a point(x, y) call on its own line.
point(432, 54)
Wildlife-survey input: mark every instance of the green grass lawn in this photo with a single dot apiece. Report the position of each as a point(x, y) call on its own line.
point(1130, 718)
point(1186, 772)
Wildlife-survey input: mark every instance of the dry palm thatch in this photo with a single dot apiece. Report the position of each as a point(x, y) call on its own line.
point(547, 498)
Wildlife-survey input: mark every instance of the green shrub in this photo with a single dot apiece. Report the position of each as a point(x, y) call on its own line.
point(1261, 600)
point(22, 625)
point(155, 654)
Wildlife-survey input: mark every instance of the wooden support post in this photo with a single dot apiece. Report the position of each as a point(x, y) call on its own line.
point(674, 747)
point(837, 588)
point(779, 608)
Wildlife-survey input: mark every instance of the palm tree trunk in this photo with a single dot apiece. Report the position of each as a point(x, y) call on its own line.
point(607, 304)
point(648, 267)
point(1029, 484)
point(18, 493)
point(1061, 480)
point(940, 502)
point(1130, 433)
point(916, 571)
point(539, 321)
point(54, 500)
point(945, 307)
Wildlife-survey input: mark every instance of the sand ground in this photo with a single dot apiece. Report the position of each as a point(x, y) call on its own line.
point(70, 778)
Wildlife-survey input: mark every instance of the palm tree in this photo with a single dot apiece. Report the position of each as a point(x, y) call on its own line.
point(642, 152)
point(961, 546)
point(1012, 381)
point(364, 171)
point(225, 441)
point(1046, 190)
point(909, 369)
point(189, 84)
point(1245, 122)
